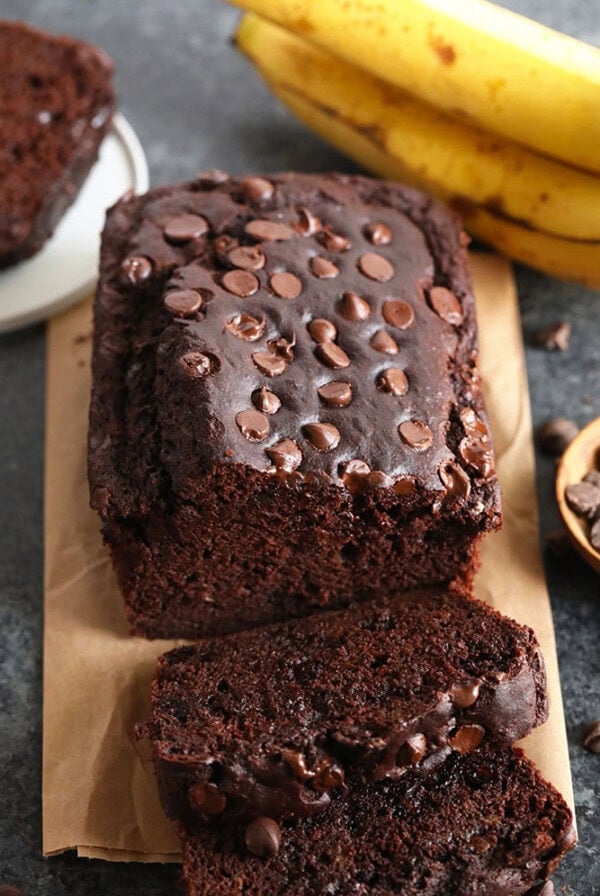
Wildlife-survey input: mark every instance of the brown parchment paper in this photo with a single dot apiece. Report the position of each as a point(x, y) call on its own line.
point(99, 793)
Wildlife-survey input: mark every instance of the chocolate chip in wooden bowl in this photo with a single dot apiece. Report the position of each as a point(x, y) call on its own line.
point(136, 268)
point(375, 267)
point(555, 435)
point(183, 302)
point(240, 283)
point(263, 837)
point(354, 307)
point(332, 355)
point(591, 740)
point(286, 455)
point(253, 425)
point(335, 394)
point(322, 330)
point(323, 268)
point(379, 234)
point(266, 401)
point(248, 258)
point(183, 228)
point(270, 231)
point(285, 285)
point(398, 313)
point(446, 305)
point(393, 381)
point(595, 533)
point(416, 434)
point(553, 338)
point(246, 327)
point(583, 499)
point(323, 436)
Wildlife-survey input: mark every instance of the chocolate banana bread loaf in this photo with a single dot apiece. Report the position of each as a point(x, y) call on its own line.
point(56, 104)
point(270, 721)
point(485, 824)
point(286, 411)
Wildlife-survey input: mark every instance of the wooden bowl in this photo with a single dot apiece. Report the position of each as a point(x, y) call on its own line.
point(582, 455)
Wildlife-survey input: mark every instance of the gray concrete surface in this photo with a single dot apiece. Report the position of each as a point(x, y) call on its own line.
point(196, 104)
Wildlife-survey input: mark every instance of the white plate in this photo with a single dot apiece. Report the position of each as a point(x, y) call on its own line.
point(65, 269)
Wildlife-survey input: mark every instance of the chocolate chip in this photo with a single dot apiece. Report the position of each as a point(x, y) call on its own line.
point(333, 242)
point(323, 268)
point(593, 476)
point(136, 269)
point(183, 302)
point(472, 425)
point(283, 347)
point(248, 258)
point(257, 188)
point(378, 234)
point(223, 245)
point(412, 751)
point(393, 381)
point(263, 229)
point(416, 434)
point(583, 498)
point(286, 455)
point(465, 695)
point(595, 534)
point(332, 355)
point(196, 365)
point(555, 435)
point(246, 327)
point(207, 798)
point(455, 481)
point(327, 778)
point(383, 342)
point(212, 177)
point(240, 283)
point(477, 453)
point(354, 307)
point(353, 467)
point(253, 425)
point(398, 313)
point(337, 395)
point(405, 485)
point(307, 223)
point(591, 740)
point(324, 436)
point(183, 228)
point(266, 401)
point(467, 738)
point(446, 305)
point(263, 837)
point(554, 338)
point(286, 285)
point(269, 364)
point(296, 763)
point(375, 267)
point(322, 330)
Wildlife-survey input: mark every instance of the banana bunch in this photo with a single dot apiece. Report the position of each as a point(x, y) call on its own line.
point(488, 145)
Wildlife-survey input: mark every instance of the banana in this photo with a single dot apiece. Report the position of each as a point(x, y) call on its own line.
point(346, 107)
point(475, 60)
point(453, 160)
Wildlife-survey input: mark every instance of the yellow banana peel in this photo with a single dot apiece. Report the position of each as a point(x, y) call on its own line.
point(476, 61)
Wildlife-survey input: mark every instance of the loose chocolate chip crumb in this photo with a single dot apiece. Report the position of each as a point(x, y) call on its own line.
point(332, 355)
point(253, 425)
point(240, 283)
point(584, 499)
point(378, 234)
point(266, 401)
point(322, 330)
point(286, 455)
point(393, 381)
point(323, 436)
point(416, 434)
point(183, 302)
point(383, 342)
point(554, 338)
point(323, 268)
point(184, 228)
point(263, 837)
point(286, 285)
point(375, 267)
point(354, 307)
point(206, 798)
point(591, 740)
point(555, 435)
point(336, 395)
point(136, 269)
